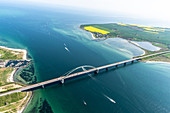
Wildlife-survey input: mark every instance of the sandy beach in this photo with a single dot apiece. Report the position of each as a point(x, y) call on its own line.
point(30, 97)
point(11, 77)
point(19, 50)
point(135, 43)
point(93, 36)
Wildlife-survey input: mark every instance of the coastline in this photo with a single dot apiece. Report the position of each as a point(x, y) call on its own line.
point(29, 99)
point(11, 77)
point(93, 37)
point(19, 50)
point(136, 44)
point(157, 62)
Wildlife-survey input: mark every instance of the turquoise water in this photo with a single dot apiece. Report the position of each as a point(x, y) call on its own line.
point(140, 87)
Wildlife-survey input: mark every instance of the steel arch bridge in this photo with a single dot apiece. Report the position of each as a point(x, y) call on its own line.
point(73, 70)
point(80, 67)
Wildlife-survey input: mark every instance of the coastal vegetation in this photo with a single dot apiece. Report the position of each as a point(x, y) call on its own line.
point(4, 74)
point(9, 54)
point(16, 101)
point(7, 99)
point(135, 32)
point(162, 57)
point(156, 35)
point(9, 87)
point(26, 75)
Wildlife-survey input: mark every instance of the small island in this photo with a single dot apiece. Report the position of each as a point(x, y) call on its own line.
point(135, 34)
point(11, 61)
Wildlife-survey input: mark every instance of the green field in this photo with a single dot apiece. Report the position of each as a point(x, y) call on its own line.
point(4, 74)
point(9, 54)
point(26, 75)
point(5, 100)
point(158, 36)
point(163, 58)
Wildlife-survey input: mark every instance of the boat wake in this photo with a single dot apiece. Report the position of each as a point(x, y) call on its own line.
point(110, 99)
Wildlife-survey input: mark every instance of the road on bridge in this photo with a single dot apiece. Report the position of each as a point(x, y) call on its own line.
point(62, 78)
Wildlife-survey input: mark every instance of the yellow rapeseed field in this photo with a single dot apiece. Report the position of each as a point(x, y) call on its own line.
point(155, 29)
point(93, 29)
point(146, 28)
point(122, 24)
point(140, 26)
point(152, 32)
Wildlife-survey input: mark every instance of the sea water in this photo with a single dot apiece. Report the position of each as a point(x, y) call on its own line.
point(45, 33)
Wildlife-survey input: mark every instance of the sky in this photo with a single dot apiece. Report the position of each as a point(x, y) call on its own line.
point(158, 9)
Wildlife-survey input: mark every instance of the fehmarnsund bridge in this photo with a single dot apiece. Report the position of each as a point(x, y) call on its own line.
point(69, 75)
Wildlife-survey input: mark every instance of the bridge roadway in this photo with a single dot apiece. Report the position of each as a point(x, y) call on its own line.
point(90, 71)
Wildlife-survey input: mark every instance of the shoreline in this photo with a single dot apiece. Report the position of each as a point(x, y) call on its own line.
point(11, 77)
point(19, 50)
point(157, 62)
point(93, 37)
point(135, 43)
point(29, 99)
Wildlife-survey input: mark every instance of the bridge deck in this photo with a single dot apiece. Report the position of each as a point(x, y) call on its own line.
point(75, 74)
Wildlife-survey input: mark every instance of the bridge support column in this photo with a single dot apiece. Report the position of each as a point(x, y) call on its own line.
point(138, 59)
point(62, 81)
point(97, 71)
point(43, 86)
point(124, 64)
point(107, 69)
point(116, 66)
point(132, 61)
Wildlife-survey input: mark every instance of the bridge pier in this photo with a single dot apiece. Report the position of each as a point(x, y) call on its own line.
point(43, 86)
point(124, 64)
point(116, 66)
point(107, 69)
point(62, 81)
point(138, 59)
point(97, 71)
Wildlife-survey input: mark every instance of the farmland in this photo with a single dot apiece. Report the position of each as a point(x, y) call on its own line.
point(160, 36)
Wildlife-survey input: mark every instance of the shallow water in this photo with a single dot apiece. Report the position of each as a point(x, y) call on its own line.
point(124, 46)
point(147, 46)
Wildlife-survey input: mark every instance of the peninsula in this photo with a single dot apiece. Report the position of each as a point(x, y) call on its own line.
point(12, 60)
point(155, 36)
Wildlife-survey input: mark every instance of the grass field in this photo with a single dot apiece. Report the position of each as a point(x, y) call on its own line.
point(163, 58)
point(9, 54)
point(4, 74)
point(14, 102)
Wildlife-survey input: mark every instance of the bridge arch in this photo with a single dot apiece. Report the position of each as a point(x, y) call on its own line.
point(80, 67)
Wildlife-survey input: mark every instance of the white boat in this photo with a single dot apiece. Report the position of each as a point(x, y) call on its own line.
point(84, 102)
point(66, 49)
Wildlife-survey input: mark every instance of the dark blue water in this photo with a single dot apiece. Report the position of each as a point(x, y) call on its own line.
point(44, 33)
